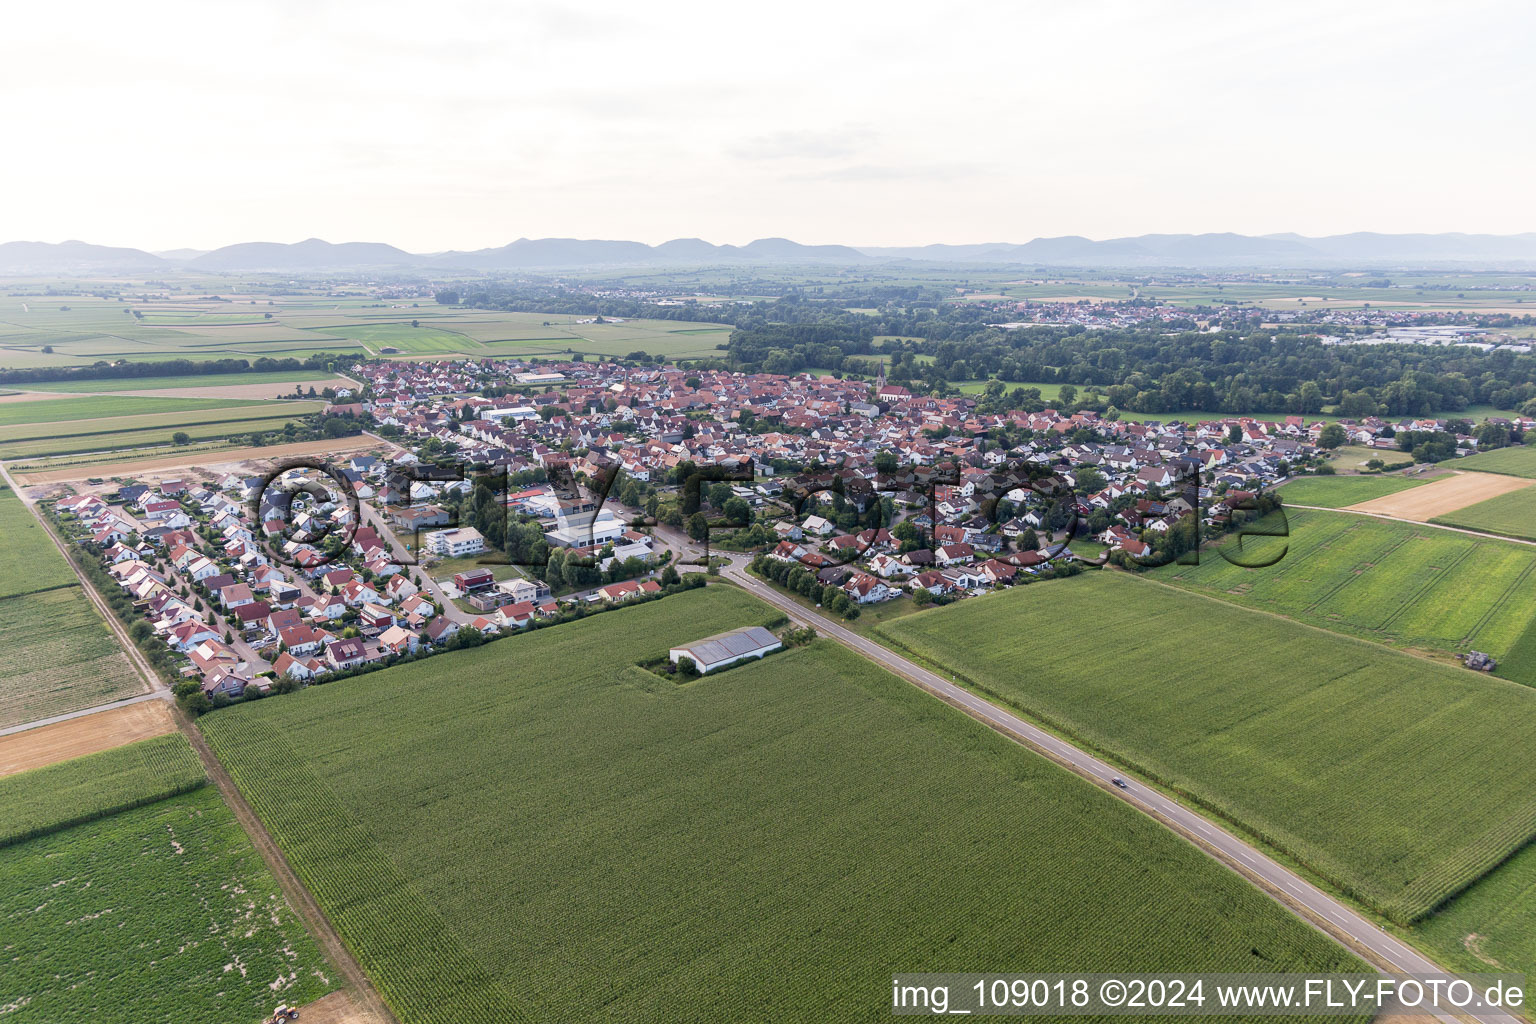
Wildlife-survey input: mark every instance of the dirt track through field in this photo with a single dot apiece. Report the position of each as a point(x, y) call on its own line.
point(336, 1008)
point(77, 737)
point(1436, 499)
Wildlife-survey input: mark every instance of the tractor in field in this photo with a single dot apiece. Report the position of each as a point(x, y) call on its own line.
point(283, 1014)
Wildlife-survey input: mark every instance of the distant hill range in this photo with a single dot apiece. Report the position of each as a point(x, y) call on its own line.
point(1226, 250)
point(1362, 249)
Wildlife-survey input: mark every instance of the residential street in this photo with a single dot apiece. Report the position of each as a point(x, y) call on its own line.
point(408, 561)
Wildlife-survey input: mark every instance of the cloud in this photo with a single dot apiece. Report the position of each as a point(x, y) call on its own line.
point(895, 171)
point(804, 145)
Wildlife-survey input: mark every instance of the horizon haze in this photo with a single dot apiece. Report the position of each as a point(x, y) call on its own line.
point(823, 124)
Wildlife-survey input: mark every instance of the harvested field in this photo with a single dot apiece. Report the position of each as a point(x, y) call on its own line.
point(173, 464)
point(27, 396)
point(336, 1008)
point(243, 391)
point(1421, 504)
point(77, 737)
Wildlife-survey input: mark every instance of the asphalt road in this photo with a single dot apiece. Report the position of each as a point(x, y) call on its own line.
point(1357, 934)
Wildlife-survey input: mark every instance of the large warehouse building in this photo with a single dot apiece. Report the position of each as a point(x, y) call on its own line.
point(727, 648)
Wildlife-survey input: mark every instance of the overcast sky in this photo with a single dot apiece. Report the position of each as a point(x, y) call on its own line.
point(468, 124)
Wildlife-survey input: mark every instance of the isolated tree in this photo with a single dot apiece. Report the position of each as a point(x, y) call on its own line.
point(1090, 481)
point(181, 437)
point(738, 511)
point(1332, 436)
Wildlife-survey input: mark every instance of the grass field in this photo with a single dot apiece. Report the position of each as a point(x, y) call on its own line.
point(1399, 781)
point(31, 560)
point(1354, 457)
point(1512, 514)
point(188, 381)
point(1340, 491)
point(67, 410)
point(56, 656)
point(765, 844)
point(1048, 392)
point(404, 338)
point(158, 910)
point(1519, 461)
point(1394, 583)
point(83, 425)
